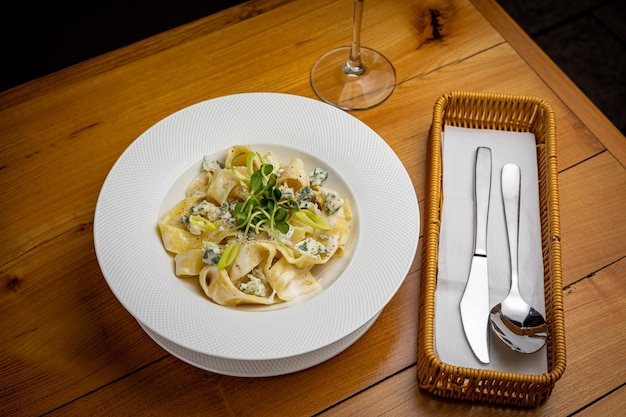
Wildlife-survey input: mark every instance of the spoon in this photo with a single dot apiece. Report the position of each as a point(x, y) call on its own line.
point(516, 323)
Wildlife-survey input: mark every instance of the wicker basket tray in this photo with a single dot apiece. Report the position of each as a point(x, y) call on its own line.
point(508, 113)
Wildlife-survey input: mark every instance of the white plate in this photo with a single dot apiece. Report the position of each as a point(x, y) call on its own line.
point(147, 179)
point(259, 368)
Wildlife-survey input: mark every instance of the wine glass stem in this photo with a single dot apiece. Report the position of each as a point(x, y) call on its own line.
point(354, 66)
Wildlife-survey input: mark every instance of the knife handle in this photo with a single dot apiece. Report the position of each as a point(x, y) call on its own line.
point(482, 190)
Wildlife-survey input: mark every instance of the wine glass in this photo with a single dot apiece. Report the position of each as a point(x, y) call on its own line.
point(353, 77)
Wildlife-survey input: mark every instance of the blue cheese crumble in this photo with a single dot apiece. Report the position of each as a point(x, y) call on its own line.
point(211, 165)
point(332, 202)
point(304, 198)
point(211, 253)
point(255, 284)
point(318, 176)
point(212, 212)
point(311, 247)
point(206, 209)
point(226, 212)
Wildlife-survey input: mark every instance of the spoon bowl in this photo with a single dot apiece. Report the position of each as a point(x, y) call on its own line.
point(526, 334)
point(516, 323)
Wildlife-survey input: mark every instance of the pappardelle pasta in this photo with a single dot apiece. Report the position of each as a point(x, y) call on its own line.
point(251, 229)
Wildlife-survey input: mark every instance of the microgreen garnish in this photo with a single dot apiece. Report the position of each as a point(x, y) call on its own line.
point(264, 209)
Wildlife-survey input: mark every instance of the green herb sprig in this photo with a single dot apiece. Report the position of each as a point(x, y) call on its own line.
point(264, 209)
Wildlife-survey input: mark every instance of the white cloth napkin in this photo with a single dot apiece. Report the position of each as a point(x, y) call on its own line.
point(456, 244)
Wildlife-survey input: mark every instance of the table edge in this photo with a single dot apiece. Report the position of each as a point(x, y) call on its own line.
point(569, 93)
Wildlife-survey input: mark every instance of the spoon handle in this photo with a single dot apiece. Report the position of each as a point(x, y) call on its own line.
point(511, 183)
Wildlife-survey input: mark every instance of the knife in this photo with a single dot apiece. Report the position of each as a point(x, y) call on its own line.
point(475, 300)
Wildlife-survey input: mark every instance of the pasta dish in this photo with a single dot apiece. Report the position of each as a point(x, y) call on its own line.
point(251, 228)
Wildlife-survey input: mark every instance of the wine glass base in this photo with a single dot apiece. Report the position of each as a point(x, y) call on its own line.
point(348, 91)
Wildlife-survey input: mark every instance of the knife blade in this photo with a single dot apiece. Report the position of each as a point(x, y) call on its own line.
point(475, 300)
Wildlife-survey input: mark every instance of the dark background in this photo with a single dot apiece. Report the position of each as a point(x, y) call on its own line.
point(586, 38)
point(41, 37)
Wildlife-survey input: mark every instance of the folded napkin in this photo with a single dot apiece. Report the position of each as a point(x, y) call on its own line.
point(456, 244)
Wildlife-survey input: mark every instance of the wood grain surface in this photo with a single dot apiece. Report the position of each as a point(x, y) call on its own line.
point(68, 347)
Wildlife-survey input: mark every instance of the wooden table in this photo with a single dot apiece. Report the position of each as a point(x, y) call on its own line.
point(68, 347)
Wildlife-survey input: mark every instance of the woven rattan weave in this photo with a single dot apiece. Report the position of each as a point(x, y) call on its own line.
point(508, 113)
